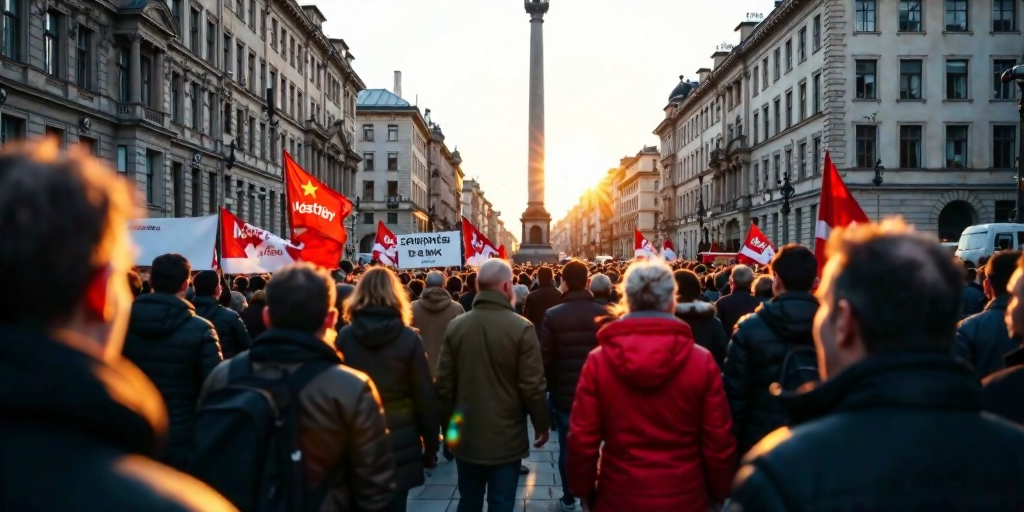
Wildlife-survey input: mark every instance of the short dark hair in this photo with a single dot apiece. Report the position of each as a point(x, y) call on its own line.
point(257, 283)
point(471, 281)
point(205, 283)
point(242, 284)
point(575, 274)
point(416, 287)
point(299, 297)
point(796, 266)
point(999, 269)
point(170, 272)
point(453, 285)
point(905, 291)
point(545, 275)
point(688, 284)
point(134, 283)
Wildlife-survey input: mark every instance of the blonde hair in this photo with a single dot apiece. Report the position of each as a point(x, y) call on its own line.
point(379, 286)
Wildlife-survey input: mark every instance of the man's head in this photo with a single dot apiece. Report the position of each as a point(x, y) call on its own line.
point(495, 275)
point(762, 287)
point(302, 297)
point(454, 285)
point(884, 289)
point(998, 271)
point(741, 277)
point(471, 281)
point(575, 274)
point(722, 279)
point(600, 285)
point(207, 284)
point(545, 275)
point(171, 274)
point(688, 284)
point(794, 269)
point(241, 284)
point(64, 223)
point(435, 279)
point(257, 283)
point(971, 274)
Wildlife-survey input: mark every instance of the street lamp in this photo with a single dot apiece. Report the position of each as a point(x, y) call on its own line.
point(431, 215)
point(1016, 74)
point(701, 212)
point(355, 238)
point(787, 191)
point(878, 180)
point(230, 160)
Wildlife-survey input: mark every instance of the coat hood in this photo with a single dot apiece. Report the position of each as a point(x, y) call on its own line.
point(377, 326)
point(155, 315)
point(646, 348)
point(791, 316)
point(435, 300)
point(696, 310)
point(292, 346)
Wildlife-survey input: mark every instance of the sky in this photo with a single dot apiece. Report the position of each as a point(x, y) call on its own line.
point(609, 68)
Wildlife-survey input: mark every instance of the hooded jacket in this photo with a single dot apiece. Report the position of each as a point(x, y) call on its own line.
point(754, 360)
point(656, 402)
point(391, 354)
point(78, 434)
point(567, 335)
point(539, 301)
point(231, 332)
point(431, 314)
point(177, 350)
point(982, 339)
point(707, 328)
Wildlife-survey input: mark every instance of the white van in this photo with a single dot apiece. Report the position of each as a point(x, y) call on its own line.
point(602, 259)
point(982, 240)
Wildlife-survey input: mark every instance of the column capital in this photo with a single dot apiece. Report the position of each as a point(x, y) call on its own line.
point(135, 37)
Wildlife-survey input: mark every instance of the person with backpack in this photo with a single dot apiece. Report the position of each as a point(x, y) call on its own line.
point(772, 349)
point(319, 441)
point(231, 331)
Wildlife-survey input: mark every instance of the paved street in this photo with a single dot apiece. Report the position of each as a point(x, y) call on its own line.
point(537, 491)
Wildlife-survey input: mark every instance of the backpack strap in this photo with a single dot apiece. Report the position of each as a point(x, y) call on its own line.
point(298, 379)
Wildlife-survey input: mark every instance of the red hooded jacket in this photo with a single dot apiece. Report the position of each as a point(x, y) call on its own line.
point(656, 400)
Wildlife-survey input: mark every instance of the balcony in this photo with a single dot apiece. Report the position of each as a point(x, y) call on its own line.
point(135, 112)
point(394, 201)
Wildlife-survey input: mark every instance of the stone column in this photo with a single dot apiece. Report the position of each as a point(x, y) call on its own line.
point(158, 81)
point(536, 149)
point(135, 68)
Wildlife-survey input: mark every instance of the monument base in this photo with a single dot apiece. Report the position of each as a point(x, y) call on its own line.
point(535, 253)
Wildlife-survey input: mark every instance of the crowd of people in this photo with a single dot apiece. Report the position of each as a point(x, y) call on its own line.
point(892, 381)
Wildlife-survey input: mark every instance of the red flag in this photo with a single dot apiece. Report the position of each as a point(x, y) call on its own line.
point(837, 208)
point(247, 249)
point(501, 252)
point(314, 206)
point(667, 245)
point(478, 248)
point(641, 247)
point(319, 249)
point(757, 249)
point(385, 246)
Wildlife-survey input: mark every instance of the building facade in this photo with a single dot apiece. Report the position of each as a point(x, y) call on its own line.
point(175, 95)
point(906, 91)
point(637, 205)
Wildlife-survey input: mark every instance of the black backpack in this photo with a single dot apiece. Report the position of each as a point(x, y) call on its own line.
point(247, 440)
point(799, 367)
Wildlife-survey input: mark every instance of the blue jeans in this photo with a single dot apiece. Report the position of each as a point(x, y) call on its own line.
point(561, 419)
point(499, 483)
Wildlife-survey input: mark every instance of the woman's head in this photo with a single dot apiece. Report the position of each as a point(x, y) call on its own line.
point(649, 286)
point(258, 297)
point(379, 286)
point(688, 285)
point(521, 292)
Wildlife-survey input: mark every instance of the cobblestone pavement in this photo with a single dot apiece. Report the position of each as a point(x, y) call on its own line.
point(537, 491)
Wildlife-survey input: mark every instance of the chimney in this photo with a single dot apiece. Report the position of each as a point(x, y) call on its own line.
point(745, 28)
point(398, 84)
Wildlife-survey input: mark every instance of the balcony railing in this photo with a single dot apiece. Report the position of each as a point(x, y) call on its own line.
point(394, 201)
point(140, 112)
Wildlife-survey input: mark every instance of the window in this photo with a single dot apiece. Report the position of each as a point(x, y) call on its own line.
point(392, 161)
point(866, 79)
point(956, 79)
point(368, 218)
point(252, 135)
point(392, 132)
point(803, 100)
point(57, 134)
point(176, 14)
point(368, 161)
point(147, 75)
point(211, 42)
point(227, 53)
point(152, 160)
point(252, 14)
point(755, 127)
point(122, 76)
point(789, 162)
point(778, 116)
point(767, 123)
point(177, 188)
point(764, 73)
point(392, 218)
point(240, 64)
point(778, 167)
point(910, 146)
point(197, 107)
point(1004, 15)
point(252, 71)
point(867, 138)
point(816, 33)
point(239, 9)
point(194, 28)
point(789, 109)
point(291, 50)
point(273, 33)
point(83, 60)
point(956, 15)
point(51, 44)
point(368, 132)
point(778, 63)
point(240, 126)
point(801, 45)
point(227, 118)
point(910, 79)
point(1004, 139)
point(1001, 90)
point(176, 97)
point(803, 161)
point(122, 159)
point(368, 187)
point(956, 146)
point(816, 154)
point(910, 16)
point(865, 15)
point(755, 77)
point(816, 94)
point(89, 145)
point(12, 29)
point(789, 55)
point(211, 100)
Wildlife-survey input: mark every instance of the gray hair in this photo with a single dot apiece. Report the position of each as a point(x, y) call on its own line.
point(742, 276)
point(492, 274)
point(649, 286)
point(435, 279)
point(521, 292)
point(600, 283)
point(762, 286)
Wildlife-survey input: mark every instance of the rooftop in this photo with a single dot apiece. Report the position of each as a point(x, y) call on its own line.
point(380, 98)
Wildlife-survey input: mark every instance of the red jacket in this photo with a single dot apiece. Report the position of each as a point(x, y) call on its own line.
point(656, 401)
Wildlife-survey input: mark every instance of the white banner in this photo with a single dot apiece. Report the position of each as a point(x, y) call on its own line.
point(193, 237)
point(247, 249)
point(425, 250)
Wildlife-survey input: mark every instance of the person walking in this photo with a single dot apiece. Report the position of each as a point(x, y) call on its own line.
point(379, 342)
point(650, 426)
point(740, 301)
point(432, 313)
point(231, 331)
point(252, 317)
point(490, 378)
point(982, 339)
point(699, 315)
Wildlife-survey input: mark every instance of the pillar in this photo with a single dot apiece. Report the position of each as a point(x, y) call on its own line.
point(135, 68)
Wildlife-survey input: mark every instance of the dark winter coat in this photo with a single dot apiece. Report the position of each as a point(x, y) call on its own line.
point(754, 360)
point(734, 306)
point(378, 344)
point(231, 332)
point(177, 350)
point(983, 340)
point(567, 335)
point(707, 328)
point(252, 317)
point(974, 299)
point(466, 300)
point(896, 432)
point(538, 302)
point(1003, 389)
point(77, 434)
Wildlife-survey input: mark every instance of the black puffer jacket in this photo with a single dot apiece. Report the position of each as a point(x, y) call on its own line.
point(252, 317)
point(392, 354)
point(231, 331)
point(1003, 389)
point(708, 331)
point(177, 350)
point(754, 360)
point(983, 340)
point(896, 433)
point(567, 335)
point(78, 434)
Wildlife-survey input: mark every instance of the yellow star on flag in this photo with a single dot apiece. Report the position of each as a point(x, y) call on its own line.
point(309, 189)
